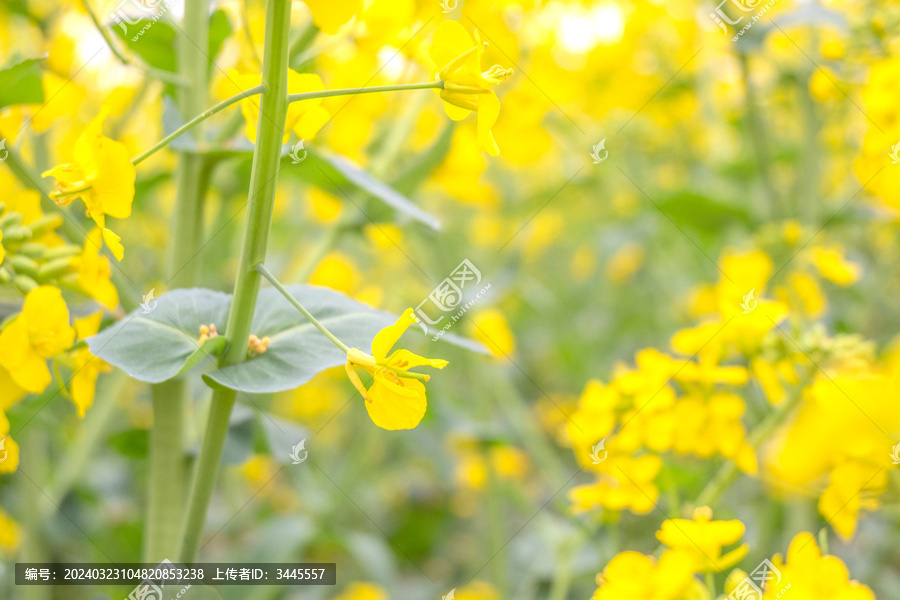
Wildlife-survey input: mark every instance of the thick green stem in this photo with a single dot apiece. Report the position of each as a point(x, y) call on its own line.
point(266, 160)
point(166, 487)
point(89, 437)
point(167, 466)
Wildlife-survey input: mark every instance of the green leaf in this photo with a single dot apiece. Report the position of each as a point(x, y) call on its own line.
point(298, 351)
point(336, 174)
point(156, 346)
point(21, 83)
point(219, 30)
point(153, 41)
point(211, 347)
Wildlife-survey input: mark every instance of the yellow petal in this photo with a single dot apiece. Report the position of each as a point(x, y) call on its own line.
point(488, 111)
point(114, 243)
point(393, 406)
point(456, 113)
point(329, 15)
point(404, 359)
point(387, 337)
point(356, 381)
point(450, 40)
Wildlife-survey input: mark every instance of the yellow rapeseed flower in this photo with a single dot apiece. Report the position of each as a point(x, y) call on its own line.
point(466, 87)
point(9, 449)
point(85, 366)
point(10, 534)
point(703, 539)
point(94, 271)
point(394, 400)
point(635, 576)
point(810, 576)
point(40, 332)
point(329, 16)
point(363, 590)
point(102, 176)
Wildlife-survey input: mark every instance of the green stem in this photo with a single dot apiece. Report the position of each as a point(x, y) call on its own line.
point(366, 90)
point(166, 488)
point(89, 437)
point(197, 120)
point(266, 160)
point(262, 270)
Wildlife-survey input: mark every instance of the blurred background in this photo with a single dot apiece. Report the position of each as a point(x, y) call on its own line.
point(653, 170)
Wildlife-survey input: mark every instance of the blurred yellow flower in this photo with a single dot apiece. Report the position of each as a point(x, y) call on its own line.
point(491, 329)
point(477, 590)
point(102, 176)
point(329, 16)
point(394, 400)
point(304, 117)
point(39, 332)
point(811, 576)
point(363, 590)
point(94, 272)
point(635, 576)
point(9, 450)
point(834, 267)
point(10, 534)
point(703, 539)
point(85, 366)
point(466, 88)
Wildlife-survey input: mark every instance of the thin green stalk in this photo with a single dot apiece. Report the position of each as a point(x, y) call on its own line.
point(262, 270)
point(293, 98)
point(196, 121)
point(166, 487)
point(366, 90)
point(266, 160)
